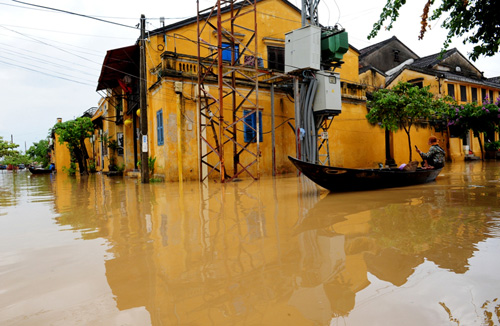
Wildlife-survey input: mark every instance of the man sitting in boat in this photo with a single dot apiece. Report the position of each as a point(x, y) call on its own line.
point(434, 158)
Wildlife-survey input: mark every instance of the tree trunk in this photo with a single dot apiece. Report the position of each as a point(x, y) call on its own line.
point(81, 161)
point(480, 146)
point(409, 140)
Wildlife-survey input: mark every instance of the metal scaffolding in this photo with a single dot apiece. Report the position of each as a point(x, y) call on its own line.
point(230, 63)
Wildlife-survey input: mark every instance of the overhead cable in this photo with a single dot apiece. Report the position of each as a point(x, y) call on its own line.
point(76, 14)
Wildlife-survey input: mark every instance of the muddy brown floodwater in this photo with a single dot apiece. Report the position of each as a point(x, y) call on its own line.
point(110, 251)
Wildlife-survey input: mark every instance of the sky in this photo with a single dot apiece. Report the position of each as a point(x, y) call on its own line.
point(50, 61)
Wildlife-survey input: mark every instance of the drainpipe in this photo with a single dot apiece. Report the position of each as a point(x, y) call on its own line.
point(178, 91)
point(273, 131)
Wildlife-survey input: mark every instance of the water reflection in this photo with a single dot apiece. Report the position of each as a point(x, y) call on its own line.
point(285, 252)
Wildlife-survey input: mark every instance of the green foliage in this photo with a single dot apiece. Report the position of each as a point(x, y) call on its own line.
point(73, 133)
point(480, 118)
point(40, 152)
point(16, 159)
point(151, 165)
point(7, 148)
point(475, 21)
point(492, 145)
point(120, 168)
point(71, 170)
point(113, 145)
point(92, 166)
point(404, 106)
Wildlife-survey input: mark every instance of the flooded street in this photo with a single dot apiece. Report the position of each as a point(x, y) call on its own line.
point(110, 251)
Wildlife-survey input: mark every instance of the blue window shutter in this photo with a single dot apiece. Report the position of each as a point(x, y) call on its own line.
point(249, 133)
point(159, 126)
point(226, 52)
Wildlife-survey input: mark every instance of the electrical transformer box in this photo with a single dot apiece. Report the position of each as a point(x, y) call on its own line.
point(328, 98)
point(303, 49)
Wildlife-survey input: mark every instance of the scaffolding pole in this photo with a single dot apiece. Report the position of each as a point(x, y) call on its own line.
point(226, 113)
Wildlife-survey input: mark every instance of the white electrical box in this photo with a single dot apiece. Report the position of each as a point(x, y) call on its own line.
point(303, 49)
point(328, 95)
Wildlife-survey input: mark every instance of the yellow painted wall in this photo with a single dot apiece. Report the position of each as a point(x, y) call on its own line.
point(61, 155)
point(161, 96)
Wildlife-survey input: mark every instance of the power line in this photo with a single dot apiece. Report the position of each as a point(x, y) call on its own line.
point(43, 61)
point(63, 50)
point(76, 14)
point(69, 33)
point(47, 74)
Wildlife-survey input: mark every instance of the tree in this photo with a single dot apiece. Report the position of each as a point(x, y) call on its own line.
point(476, 21)
point(481, 119)
point(73, 133)
point(40, 152)
point(402, 107)
point(6, 148)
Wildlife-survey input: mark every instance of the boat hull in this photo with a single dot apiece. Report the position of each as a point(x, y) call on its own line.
point(341, 179)
point(40, 171)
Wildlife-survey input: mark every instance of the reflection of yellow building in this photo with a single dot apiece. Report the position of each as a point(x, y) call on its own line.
point(262, 251)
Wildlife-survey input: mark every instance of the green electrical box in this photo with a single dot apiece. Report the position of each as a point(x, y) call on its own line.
point(334, 45)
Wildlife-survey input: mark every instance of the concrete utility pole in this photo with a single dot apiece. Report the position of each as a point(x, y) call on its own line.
point(143, 104)
point(310, 12)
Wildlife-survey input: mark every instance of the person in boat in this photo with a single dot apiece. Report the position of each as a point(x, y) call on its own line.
point(434, 158)
point(52, 167)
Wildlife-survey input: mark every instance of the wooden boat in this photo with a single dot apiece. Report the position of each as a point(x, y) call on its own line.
point(343, 179)
point(39, 171)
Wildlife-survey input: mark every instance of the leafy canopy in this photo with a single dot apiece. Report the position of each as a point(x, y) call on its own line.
point(40, 152)
point(402, 107)
point(476, 21)
point(7, 148)
point(480, 118)
point(73, 133)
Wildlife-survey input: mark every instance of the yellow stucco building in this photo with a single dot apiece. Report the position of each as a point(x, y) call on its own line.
point(184, 138)
point(389, 62)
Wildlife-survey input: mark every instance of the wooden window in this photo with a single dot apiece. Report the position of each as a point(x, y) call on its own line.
point(451, 90)
point(276, 58)
point(483, 95)
point(491, 99)
point(159, 127)
point(473, 92)
point(250, 127)
point(463, 93)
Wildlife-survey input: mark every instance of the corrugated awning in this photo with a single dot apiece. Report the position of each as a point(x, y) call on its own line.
point(117, 64)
